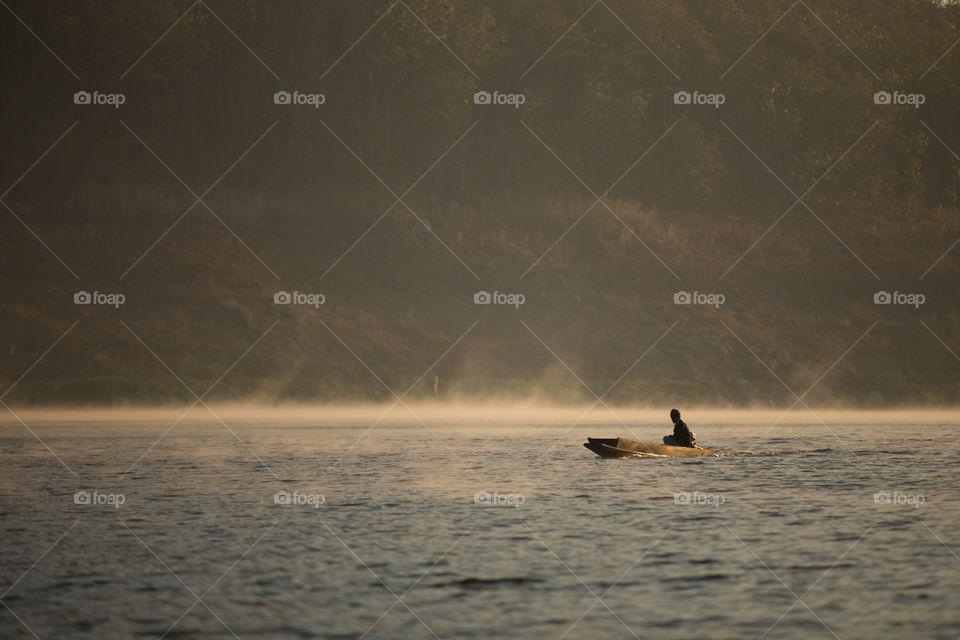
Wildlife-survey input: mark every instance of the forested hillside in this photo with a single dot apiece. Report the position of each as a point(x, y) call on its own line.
point(597, 158)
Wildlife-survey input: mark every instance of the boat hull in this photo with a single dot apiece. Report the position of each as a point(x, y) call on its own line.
point(626, 448)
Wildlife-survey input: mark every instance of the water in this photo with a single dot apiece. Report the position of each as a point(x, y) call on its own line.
point(780, 537)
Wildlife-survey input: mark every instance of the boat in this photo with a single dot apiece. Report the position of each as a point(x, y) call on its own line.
point(626, 448)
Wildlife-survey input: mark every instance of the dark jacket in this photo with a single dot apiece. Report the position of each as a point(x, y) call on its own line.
point(682, 434)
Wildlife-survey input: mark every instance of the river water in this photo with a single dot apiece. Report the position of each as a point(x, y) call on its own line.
point(318, 526)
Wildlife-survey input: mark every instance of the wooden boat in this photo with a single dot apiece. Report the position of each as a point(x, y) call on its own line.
point(625, 448)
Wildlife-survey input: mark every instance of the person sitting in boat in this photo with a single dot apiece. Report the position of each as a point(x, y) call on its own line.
point(682, 436)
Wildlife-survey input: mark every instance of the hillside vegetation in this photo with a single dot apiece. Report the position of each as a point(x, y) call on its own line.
point(599, 198)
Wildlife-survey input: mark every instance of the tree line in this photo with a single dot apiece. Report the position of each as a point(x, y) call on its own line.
point(802, 89)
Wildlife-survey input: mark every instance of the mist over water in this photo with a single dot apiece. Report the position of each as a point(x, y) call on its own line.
point(497, 412)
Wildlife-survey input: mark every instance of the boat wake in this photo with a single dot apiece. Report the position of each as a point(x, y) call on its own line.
point(746, 453)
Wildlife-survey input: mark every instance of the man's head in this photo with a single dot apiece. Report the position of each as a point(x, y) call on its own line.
point(674, 415)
